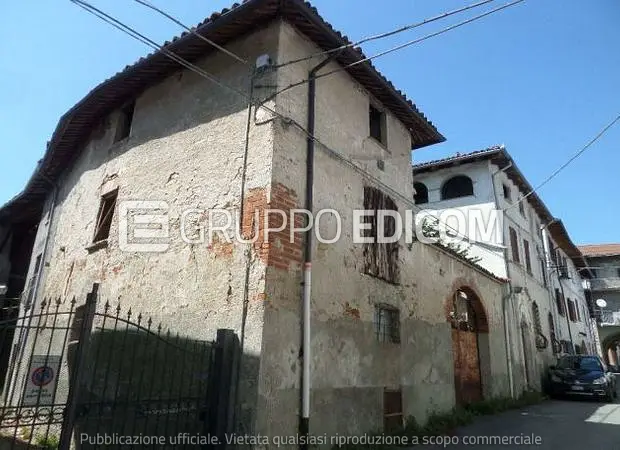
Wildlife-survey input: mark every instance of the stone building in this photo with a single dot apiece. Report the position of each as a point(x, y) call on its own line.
point(519, 240)
point(604, 263)
point(386, 318)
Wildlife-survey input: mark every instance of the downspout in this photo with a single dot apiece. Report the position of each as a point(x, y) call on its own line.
point(304, 417)
point(506, 297)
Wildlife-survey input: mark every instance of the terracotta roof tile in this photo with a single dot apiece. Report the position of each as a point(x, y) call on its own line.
point(600, 249)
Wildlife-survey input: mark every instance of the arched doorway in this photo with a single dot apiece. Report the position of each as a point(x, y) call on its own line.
point(528, 359)
point(468, 320)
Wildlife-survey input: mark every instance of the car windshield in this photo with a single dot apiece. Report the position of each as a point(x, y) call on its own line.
point(579, 363)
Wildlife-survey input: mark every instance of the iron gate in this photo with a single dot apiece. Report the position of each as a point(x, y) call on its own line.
point(111, 378)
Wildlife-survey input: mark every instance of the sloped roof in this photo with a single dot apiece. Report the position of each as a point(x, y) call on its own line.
point(75, 126)
point(500, 157)
point(600, 250)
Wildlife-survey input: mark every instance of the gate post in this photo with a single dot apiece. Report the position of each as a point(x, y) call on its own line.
point(75, 378)
point(221, 387)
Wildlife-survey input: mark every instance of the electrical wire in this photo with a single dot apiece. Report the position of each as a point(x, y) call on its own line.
point(386, 34)
point(399, 47)
point(367, 176)
point(570, 160)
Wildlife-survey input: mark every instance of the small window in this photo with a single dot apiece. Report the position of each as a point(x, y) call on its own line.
point(514, 245)
point(521, 208)
point(458, 186)
point(526, 252)
point(506, 190)
point(125, 118)
point(421, 193)
point(377, 124)
point(104, 217)
point(387, 324)
point(571, 310)
point(381, 165)
point(559, 303)
point(392, 410)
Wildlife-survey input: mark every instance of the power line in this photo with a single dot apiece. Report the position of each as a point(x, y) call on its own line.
point(140, 37)
point(570, 160)
point(191, 30)
point(386, 34)
point(399, 47)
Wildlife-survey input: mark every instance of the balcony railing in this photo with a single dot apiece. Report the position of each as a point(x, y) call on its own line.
point(601, 284)
point(610, 318)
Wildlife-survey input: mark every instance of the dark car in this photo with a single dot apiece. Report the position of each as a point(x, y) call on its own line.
point(582, 376)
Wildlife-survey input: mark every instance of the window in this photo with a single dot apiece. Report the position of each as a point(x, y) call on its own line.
point(514, 245)
point(377, 124)
point(521, 208)
point(506, 190)
point(104, 216)
point(536, 317)
point(458, 186)
point(571, 310)
point(392, 410)
point(526, 252)
point(559, 303)
point(387, 324)
point(543, 267)
point(421, 193)
point(125, 118)
point(380, 258)
point(552, 333)
point(552, 252)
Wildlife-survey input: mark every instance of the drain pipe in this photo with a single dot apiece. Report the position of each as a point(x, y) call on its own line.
point(304, 417)
point(507, 297)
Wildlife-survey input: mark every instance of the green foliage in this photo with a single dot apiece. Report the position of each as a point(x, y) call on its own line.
point(444, 423)
point(48, 442)
point(430, 229)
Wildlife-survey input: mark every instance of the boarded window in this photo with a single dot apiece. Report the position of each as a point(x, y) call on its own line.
point(554, 347)
point(392, 410)
point(380, 258)
point(458, 186)
point(526, 252)
point(559, 303)
point(104, 216)
point(514, 245)
point(123, 127)
point(421, 193)
point(377, 124)
point(387, 324)
point(571, 310)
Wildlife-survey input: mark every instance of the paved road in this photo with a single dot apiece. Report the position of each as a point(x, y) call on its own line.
point(557, 424)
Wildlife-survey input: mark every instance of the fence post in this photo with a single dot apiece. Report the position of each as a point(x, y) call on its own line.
point(75, 378)
point(221, 386)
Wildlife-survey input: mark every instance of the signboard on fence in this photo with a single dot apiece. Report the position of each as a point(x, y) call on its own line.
point(42, 380)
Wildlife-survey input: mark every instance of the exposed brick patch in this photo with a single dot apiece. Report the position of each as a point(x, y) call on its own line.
point(260, 297)
point(278, 250)
point(350, 311)
point(221, 248)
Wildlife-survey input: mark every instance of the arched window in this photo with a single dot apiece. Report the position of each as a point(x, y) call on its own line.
point(458, 186)
point(421, 193)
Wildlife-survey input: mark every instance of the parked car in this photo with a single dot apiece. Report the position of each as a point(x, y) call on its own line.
point(582, 375)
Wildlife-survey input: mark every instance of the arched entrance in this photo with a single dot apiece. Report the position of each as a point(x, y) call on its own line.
point(528, 359)
point(468, 320)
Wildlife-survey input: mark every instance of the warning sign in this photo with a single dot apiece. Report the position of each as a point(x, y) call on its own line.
point(42, 380)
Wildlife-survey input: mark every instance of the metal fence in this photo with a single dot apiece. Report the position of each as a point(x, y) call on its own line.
point(85, 378)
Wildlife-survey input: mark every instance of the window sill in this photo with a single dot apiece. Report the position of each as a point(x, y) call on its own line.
point(97, 246)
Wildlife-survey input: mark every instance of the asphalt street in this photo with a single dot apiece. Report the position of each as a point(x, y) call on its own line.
point(567, 424)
